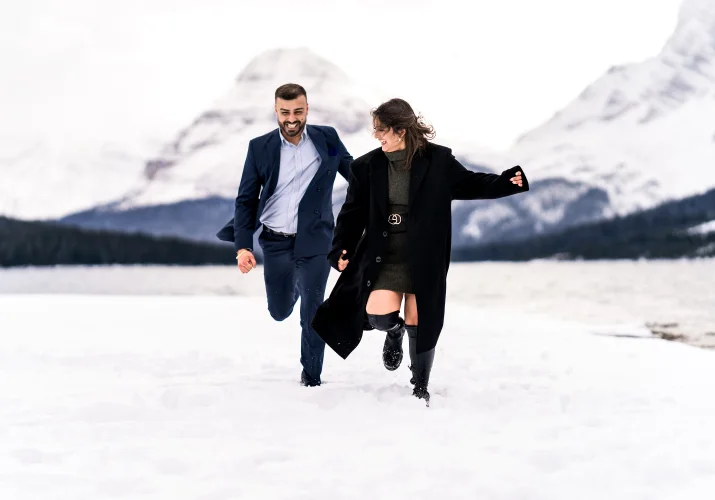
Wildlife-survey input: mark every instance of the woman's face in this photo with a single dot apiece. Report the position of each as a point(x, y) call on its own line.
point(389, 139)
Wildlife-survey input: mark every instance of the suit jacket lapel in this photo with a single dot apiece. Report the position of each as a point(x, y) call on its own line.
point(419, 167)
point(319, 142)
point(321, 146)
point(273, 161)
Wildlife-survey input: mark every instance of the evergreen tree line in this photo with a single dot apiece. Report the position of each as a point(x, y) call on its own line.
point(657, 233)
point(32, 243)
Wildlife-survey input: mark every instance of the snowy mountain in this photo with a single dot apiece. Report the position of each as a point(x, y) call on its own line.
point(49, 178)
point(189, 189)
point(206, 158)
point(643, 133)
point(639, 136)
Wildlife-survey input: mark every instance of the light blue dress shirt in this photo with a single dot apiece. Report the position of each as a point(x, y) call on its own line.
point(298, 166)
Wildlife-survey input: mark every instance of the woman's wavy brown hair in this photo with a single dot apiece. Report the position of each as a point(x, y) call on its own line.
point(397, 114)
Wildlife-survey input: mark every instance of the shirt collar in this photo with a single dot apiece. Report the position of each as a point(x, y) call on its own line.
point(303, 138)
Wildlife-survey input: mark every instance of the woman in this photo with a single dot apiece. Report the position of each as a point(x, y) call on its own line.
point(392, 240)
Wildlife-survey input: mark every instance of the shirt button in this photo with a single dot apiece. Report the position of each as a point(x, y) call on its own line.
point(378, 259)
point(369, 283)
point(328, 172)
point(315, 211)
point(384, 233)
point(320, 189)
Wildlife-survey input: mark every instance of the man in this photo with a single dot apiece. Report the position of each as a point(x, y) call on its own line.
point(286, 189)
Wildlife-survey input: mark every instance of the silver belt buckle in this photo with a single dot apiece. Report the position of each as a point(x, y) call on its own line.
point(394, 219)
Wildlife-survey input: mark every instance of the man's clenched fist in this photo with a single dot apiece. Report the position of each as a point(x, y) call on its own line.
point(246, 260)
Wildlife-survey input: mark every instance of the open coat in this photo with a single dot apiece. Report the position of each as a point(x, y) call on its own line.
point(259, 180)
point(361, 229)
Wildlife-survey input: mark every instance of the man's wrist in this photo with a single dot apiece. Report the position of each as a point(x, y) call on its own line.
point(241, 252)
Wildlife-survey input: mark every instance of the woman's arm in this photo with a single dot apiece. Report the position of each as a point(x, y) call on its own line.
point(352, 219)
point(468, 185)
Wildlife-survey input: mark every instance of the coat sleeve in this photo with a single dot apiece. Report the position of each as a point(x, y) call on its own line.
point(468, 185)
point(352, 219)
point(345, 160)
point(244, 217)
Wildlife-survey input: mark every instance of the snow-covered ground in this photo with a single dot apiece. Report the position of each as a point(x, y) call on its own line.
point(197, 397)
point(615, 297)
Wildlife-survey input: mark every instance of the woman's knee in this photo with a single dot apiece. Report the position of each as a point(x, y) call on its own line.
point(386, 322)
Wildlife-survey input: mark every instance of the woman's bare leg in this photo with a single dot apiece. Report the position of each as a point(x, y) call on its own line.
point(384, 302)
point(410, 309)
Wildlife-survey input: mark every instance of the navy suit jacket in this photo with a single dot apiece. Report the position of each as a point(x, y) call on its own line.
point(315, 210)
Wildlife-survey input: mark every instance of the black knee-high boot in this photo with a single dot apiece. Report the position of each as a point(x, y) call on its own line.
point(420, 364)
point(395, 328)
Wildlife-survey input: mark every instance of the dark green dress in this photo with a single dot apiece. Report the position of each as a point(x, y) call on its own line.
point(395, 270)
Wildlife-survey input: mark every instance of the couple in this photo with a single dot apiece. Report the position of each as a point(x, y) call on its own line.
point(391, 241)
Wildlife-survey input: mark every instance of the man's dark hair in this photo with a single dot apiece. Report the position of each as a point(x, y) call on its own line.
point(290, 91)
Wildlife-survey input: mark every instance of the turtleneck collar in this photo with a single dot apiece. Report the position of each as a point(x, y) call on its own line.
point(397, 158)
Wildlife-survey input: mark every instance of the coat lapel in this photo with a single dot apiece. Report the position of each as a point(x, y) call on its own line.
point(379, 183)
point(419, 167)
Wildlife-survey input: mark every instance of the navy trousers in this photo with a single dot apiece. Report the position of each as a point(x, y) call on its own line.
point(288, 279)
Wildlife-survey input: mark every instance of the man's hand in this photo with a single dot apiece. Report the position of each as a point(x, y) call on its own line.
point(342, 263)
point(517, 179)
point(246, 260)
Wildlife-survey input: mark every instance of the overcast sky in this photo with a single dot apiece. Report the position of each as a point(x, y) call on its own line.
point(137, 70)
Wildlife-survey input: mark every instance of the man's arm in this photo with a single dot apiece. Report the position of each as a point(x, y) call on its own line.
point(345, 159)
point(352, 219)
point(244, 217)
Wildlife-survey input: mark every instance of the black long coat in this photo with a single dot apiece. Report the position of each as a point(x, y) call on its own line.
point(436, 179)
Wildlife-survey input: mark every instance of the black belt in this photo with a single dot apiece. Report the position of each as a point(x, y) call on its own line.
point(397, 222)
point(278, 233)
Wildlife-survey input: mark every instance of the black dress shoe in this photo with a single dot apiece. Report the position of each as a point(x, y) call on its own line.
point(307, 381)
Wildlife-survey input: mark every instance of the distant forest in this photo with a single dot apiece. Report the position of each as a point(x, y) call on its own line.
point(658, 233)
point(24, 243)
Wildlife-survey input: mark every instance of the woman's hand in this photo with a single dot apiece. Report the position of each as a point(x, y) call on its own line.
point(517, 179)
point(342, 263)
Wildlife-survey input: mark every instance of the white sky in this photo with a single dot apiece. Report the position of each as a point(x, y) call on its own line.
point(137, 70)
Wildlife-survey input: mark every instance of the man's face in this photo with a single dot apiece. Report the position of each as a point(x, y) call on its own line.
point(292, 115)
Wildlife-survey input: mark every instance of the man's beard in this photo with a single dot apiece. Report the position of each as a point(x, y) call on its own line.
point(291, 133)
